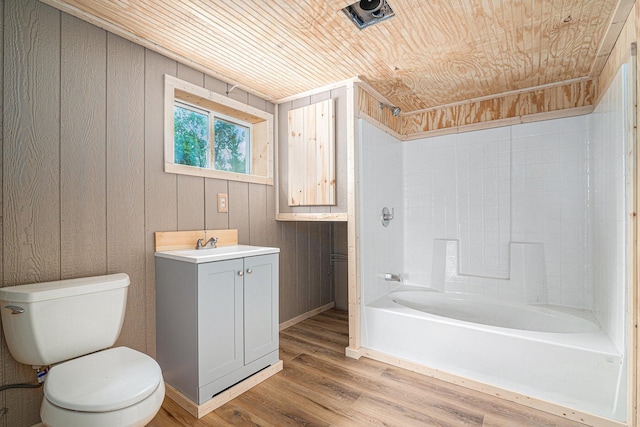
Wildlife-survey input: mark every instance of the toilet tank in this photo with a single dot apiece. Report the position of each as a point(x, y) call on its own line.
point(46, 323)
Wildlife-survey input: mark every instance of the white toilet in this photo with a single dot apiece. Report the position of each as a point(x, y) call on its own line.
point(73, 321)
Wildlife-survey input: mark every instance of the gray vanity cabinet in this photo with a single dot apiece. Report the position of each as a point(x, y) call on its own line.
point(220, 319)
point(216, 322)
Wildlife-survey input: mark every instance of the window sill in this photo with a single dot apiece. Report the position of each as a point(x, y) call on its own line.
point(212, 173)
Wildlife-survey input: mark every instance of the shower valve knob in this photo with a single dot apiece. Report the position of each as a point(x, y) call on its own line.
point(386, 216)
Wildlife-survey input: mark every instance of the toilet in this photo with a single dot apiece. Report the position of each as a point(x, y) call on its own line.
point(70, 325)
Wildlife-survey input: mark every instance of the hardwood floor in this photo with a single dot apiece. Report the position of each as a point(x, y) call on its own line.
point(319, 386)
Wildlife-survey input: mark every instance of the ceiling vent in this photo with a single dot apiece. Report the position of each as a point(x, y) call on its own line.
point(364, 13)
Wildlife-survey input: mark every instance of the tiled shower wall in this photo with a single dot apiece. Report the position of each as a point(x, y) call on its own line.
point(457, 187)
point(549, 176)
point(608, 146)
point(521, 183)
point(557, 182)
point(381, 248)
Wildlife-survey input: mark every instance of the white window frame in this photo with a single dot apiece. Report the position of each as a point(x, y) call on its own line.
point(226, 109)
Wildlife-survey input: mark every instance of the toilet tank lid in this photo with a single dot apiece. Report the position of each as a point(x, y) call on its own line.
point(63, 288)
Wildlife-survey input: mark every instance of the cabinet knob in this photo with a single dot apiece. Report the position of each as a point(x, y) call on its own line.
point(249, 271)
point(240, 273)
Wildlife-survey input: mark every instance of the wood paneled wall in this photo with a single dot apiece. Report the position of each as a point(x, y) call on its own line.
point(548, 102)
point(369, 107)
point(83, 187)
point(537, 104)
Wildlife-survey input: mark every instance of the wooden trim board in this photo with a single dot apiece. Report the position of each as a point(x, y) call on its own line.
point(229, 394)
point(307, 315)
point(176, 240)
point(353, 236)
point(340, 216)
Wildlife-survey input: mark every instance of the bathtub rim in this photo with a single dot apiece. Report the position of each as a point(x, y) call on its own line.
point(596, 341)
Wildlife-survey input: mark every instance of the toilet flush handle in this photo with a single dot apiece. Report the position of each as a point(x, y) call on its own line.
point(14, 309)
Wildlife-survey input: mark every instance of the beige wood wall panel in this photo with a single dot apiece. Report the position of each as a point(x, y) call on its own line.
point(4, 351)
point(125, 180)
point(320, 246)
point(215, 85)
point(83, 166)
point(288, 271)
point(272, 226)
point(161, 212)
point(311, 154)
point(239, 210)
point(327, 295)
point(213, 218)
point(31, 150)
point(138, 197)
point(303, 278)
point(339, 277)
point(545, 100)
point(258, 217)
point(315, 269)
point(190, 202)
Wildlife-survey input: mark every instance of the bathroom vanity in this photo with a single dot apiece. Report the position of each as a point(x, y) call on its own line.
point(216, 317)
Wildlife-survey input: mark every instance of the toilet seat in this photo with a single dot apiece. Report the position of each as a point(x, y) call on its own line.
point(136, 415)
point(104, 381)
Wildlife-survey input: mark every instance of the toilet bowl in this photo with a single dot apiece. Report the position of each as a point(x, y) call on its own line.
point(71, 324)
point(115, 387)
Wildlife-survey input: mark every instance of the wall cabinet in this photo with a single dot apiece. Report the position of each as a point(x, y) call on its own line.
point(216, 322)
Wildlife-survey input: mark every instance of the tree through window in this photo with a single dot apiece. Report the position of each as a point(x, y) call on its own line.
point(231, 146)
point(229, 150)
point(211, 135)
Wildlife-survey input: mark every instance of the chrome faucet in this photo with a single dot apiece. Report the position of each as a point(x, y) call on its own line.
point(199, 244)
point(389, 277)
point(211, 243)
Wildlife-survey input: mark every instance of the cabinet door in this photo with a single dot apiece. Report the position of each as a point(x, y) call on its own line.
point(260, 306)
point(220, 322)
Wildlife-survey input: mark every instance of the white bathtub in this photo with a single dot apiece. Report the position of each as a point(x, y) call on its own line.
point(556, 355)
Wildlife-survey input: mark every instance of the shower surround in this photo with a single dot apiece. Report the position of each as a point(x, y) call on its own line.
point(486, 189)
point(551, 192)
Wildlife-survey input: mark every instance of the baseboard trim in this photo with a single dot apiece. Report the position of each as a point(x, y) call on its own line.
point(353, 353)
point(200, 411)
point(305, 316)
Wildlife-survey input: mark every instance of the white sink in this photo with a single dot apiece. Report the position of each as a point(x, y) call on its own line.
point(198, 256)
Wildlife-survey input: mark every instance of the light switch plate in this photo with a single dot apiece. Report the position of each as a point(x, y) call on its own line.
point(223, 202)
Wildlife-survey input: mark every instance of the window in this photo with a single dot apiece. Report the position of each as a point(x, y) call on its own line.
point(207, 134)
point(232, 146)
point(191, 136)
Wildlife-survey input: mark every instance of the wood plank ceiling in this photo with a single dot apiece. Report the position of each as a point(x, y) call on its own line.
point(432, 53)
